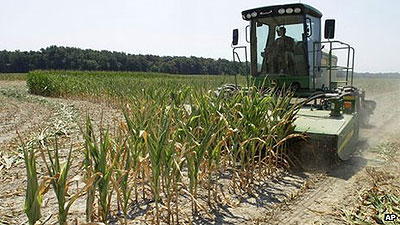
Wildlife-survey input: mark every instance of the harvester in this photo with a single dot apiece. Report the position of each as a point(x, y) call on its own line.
point(286, 51)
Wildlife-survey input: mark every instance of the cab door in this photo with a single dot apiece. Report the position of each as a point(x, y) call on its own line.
point(313, 34)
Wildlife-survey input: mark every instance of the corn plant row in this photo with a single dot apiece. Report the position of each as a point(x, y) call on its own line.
point(115, 84)
point(12, 76)
point(175, 143)
point(182, 147)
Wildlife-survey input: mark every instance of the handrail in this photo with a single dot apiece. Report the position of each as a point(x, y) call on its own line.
point(349, 68)
point(236, 55)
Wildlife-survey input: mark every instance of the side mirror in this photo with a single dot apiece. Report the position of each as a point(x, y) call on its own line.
point(235, 37)
point(329, 29)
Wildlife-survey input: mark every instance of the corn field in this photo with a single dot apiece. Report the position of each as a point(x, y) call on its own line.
point(180, 149)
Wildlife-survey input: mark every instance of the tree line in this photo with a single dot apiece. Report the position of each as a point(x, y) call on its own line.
point(68, 58)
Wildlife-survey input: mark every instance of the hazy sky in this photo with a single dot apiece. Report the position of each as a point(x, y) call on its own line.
point(188, 27)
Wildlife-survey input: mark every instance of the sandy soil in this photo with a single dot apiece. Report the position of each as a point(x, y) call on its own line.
point(290, 198)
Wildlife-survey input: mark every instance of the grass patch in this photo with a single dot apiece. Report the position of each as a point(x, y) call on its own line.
point(13, 76)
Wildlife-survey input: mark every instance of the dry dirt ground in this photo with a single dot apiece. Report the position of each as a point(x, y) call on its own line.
point(291, 198)
point(25, 118)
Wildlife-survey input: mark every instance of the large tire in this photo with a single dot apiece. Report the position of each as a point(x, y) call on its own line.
point(367, 108)
point(226, 89)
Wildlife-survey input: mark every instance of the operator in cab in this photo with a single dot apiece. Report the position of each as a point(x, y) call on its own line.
point(284, 51)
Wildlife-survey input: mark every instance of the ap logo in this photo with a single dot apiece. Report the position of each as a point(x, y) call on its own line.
point(390, 217)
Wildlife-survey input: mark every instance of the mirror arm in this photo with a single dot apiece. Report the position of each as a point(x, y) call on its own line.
point(247, 33)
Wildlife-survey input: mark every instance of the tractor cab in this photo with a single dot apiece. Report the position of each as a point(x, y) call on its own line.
point(286, 49)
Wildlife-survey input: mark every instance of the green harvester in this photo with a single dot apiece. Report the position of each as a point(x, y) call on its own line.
point(286, 51)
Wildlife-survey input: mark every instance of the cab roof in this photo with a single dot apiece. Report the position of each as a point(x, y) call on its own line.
point(281, 10)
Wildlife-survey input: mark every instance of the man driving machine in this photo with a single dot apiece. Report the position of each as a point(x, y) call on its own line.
point(284, 50)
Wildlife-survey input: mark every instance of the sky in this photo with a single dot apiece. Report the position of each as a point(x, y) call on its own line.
point(200, 28)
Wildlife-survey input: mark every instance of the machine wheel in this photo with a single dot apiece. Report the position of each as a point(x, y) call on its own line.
point(364, 119)
point(295, 86)
point(227, 89)
point(367, 108)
